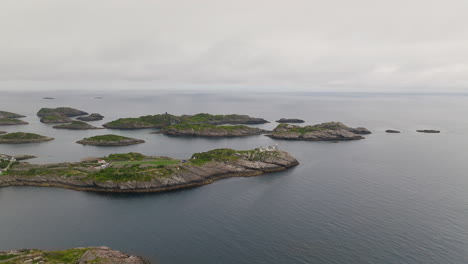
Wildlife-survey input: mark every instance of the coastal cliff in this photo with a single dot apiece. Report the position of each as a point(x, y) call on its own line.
point(134, 172)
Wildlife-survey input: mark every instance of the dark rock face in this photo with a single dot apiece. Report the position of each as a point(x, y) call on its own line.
point(392, 131)
point(331, 131)
point(103, 255)
point(428, 131)
point(290, 120)
point(76, 125)
point(91, 117)
point(187, 176)
point(66, 111)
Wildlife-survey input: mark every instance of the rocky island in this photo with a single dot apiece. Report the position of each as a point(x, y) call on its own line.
point(91, 117)
point(76, 125)
point(428, 131)
point(110, 140)
point(21, 138)
point(207, 130)
point(164, 120)
point(58, 115)
point(392, 131)
point(9, 119)
point(290, 120)
point(103, 255)
point(331, 131)
point(134, 172)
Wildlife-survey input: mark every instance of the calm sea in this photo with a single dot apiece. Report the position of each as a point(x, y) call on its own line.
point(391, 198)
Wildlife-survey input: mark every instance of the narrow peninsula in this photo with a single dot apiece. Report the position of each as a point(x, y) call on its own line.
point(134, 172)
point(22, 138)
point(76, 125)
point(331, 131)
point(110, 140)
point(102, 255)
point(164, 120)
point(207, 130)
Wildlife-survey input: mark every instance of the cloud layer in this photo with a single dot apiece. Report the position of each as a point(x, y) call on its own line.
point(334, 45)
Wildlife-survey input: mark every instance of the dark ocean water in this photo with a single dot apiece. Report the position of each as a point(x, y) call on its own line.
point(391, 198)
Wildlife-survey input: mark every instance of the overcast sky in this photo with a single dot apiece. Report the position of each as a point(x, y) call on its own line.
point(313, 45)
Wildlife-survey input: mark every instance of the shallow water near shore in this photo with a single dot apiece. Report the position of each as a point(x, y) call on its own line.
point(391, 198)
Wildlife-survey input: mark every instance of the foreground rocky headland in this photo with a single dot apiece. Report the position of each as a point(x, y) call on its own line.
point(22, 138)
point(110, 140)
point(164, 120)
point(207, 130)
point(330, 131)
point(134, 172)
point(102, 255)
point(76, 125)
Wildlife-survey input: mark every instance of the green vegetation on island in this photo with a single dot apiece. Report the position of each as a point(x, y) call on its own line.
point(76, 125)
point(110, 140)
point(21, 137)
point(134, 172)
point(208, 130)
point(164, 120)
point(66, 111)
point(5, 114)
point(11, 122)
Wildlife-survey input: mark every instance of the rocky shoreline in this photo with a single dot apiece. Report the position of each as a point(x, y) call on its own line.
point(210, 131)
point(102, 255)
point(181, 175)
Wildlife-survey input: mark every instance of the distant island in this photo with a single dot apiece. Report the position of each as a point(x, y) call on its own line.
point(48, 98)
point(22, 138)
point(110, 140)
point(76, 125)
point(207, 130)
point(75, 255)
point(164, 120)
point(58, 115)
point(428, 131)
point(91, 117)
point(330, 131)
point(10, 119)
point(290, 120)
point(134, 172)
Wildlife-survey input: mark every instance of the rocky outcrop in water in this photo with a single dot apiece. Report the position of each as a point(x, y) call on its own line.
point(428, 131)
point(331, 131)
point(150, 176)
point(392, 131)
point(290, 120)
point(91, 117)
point(65, 111)
point(10, 119)
point(110, 140)
point(101, 255)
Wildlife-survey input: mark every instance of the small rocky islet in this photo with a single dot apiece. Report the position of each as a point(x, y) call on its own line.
point(91, 117)
point(392, 131)
point(110, 140)
point(58, 115)
point(134, 172)
point(330, 131)
point(290, 120)
point(164, 120)
point(103, 255)
point(76, 125)
point(207, 130)
point(23, 138)
point(430, 131)
point(10, 119)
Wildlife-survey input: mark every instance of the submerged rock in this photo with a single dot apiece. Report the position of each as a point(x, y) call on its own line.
point(331, 131)
point(428, 131)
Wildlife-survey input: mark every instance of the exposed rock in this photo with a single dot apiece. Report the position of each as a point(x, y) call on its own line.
point(206, 130)
point(331, 131)
point(65, 111)
point(290, 120)
point(91, 117)
point(11, 122)
point(76, 125)
point(21, 138)
point(392, 131)
point(428, 131)
point(110, 140)
point(202, 168)
point(5, 114)
point(103, 255)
